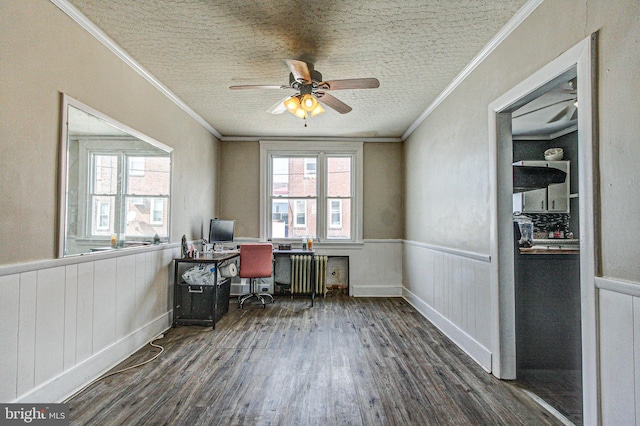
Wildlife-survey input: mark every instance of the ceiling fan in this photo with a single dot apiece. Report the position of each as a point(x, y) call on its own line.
point(570, 111)
point(568, 97)
point(311, 88)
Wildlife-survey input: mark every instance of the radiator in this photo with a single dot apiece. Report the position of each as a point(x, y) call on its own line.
point(301, 274)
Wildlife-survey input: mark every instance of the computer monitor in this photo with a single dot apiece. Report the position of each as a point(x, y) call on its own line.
point(221, 231)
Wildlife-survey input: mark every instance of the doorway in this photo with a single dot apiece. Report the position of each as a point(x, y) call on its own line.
point(546, 249)
point(504, 361)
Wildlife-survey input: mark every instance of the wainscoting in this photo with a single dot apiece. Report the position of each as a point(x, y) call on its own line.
point(619, 320)
point(66, 321)
point(375, 268)
point(451, 288)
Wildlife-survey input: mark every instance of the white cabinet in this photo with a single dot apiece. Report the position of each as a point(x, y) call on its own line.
point(553, 199)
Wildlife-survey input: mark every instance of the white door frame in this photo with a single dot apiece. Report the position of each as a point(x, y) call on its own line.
point(580, 58)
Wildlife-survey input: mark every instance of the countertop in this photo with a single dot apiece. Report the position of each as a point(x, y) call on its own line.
point(553, 246)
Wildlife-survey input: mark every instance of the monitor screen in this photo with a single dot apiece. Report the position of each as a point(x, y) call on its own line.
point(221, 231)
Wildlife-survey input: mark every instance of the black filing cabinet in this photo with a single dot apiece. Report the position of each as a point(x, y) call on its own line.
point(202, 303)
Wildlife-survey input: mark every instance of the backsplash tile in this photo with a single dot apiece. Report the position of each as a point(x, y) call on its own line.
point(545, 222)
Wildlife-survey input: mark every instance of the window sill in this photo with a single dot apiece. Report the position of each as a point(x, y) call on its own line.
point(324, 245)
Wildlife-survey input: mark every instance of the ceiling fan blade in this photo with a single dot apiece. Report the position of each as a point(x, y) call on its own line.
point(279, 107)
point(333, 103)
point(258, 86)
point(351, 83)
point(559, 115)
point(574, 115)
point(300, 70)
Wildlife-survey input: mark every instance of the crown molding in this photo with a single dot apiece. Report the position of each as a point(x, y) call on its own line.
point(304, 139)
point(517, 19)
point(103, 38)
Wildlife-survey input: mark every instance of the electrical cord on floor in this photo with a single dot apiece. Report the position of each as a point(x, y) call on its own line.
point(113, 373)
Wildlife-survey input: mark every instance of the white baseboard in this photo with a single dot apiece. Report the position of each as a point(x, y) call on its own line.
point(71, 381)
point(376, 291)
point(468, 344)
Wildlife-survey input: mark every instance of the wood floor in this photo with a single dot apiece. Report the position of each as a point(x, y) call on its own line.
point(562, 389)
point(350, 361)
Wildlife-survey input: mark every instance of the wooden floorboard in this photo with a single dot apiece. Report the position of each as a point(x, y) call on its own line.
point(562, 389)
point(351, 361)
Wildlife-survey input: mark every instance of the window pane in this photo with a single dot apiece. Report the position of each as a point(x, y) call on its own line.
point(339, 176)
point(339, 219)
point(335, 213)
point(153, 179)
point(136, 166)
point(146, 216)
point(105, 174)
point(309, 167)
point(293, 218)
point(294, 177)
point(157, 211)
point(102, 215)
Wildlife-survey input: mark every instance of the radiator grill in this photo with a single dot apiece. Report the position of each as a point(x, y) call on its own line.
point(301, 274)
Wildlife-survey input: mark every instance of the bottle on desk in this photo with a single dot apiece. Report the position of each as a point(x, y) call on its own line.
point(304, 244)
point(310, 243)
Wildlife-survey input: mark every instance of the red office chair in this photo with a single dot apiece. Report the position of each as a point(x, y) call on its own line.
point(256, 261)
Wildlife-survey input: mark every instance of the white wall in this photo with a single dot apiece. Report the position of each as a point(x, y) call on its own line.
point(448, 183)
point(67, 321)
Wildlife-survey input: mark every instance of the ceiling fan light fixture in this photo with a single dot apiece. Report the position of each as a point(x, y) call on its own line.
point(292, 104)
point(317, 110)
point(308, 102)
point(300, 113)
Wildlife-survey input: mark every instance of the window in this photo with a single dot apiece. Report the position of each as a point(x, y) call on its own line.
point(104, 215)
point(308, 190)
point(335, 212)
point(114, 180)
point(157, 211)
point(309, 167)
point(136, 166)
point(300, 214)
point(134, 204)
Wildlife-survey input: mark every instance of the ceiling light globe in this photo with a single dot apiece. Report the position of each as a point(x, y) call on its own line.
point(317, 110)
point(300, 113)
point(292, 104)
point(308, 103)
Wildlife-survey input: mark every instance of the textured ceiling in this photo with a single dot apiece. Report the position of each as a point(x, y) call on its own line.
point(198, 48)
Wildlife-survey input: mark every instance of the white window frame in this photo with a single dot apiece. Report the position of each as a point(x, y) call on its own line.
point(90, 149)
point(321, 149)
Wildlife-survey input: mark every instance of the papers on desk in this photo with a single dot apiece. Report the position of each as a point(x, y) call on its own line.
point(200, 275)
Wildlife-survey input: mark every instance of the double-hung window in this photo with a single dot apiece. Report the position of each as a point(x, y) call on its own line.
point(128, 193)
point(311, 190)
